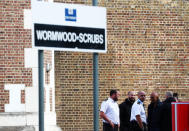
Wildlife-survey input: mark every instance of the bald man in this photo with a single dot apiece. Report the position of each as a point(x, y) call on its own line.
point(154, 109)
point(138, 115)
point(125, 111)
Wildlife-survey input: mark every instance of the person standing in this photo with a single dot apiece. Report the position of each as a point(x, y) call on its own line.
point(166, 113)
point(125, 111)
point(138, 116)
point(154, 109)
point(109, 112)
point(175, 95)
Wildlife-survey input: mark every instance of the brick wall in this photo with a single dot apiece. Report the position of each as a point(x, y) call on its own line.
point(13, 39)
point(148, 50)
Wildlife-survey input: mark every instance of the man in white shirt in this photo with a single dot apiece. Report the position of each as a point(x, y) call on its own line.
point(138, 116)
point(109, 112)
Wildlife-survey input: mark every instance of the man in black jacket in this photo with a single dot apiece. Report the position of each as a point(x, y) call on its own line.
point(125, 111)
point(154, 109)
point(166, 113)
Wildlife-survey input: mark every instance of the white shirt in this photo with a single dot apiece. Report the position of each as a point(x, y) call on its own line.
point(111, 110)
point(138, 109)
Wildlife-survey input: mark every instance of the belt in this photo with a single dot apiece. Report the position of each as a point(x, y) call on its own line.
point(108, 124)
point(134, 121)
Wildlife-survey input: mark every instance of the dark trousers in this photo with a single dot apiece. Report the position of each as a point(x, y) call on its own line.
point(108, 127)
point(135, 126)
point(123, 128)
point(154, 129)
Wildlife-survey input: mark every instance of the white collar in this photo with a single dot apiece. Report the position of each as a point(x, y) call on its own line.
point(140, 101)
point(111, 99)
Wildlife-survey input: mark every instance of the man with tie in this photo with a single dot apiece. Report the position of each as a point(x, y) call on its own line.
point(138, 116)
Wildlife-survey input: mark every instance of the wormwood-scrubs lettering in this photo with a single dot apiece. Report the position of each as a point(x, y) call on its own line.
point(69, 37)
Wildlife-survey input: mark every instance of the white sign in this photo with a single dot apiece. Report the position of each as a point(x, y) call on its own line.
point(68, 27)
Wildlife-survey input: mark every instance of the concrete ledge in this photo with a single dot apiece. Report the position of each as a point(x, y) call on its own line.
point(17, 128)
point(52, 128)
point(27, 121)
point(18, 119)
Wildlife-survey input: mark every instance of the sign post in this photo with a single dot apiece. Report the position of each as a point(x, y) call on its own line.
point(41, 90)
point(95, 93)
point(95, 86)
point(69, 27)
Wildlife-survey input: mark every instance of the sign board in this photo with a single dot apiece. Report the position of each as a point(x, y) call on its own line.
point(68, 27)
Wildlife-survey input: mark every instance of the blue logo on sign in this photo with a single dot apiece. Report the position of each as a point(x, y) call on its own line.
point(70, 14)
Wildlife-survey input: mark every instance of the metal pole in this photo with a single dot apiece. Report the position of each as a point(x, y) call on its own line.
point(95, 86)
point(41, 91)
point(95, 92)
point(95, 2)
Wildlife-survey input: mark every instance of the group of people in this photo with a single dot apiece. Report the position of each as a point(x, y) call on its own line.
point(131, 116)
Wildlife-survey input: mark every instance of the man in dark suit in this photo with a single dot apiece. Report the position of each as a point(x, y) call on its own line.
point(166, 113)
point(125, 111)
point(154, 109)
